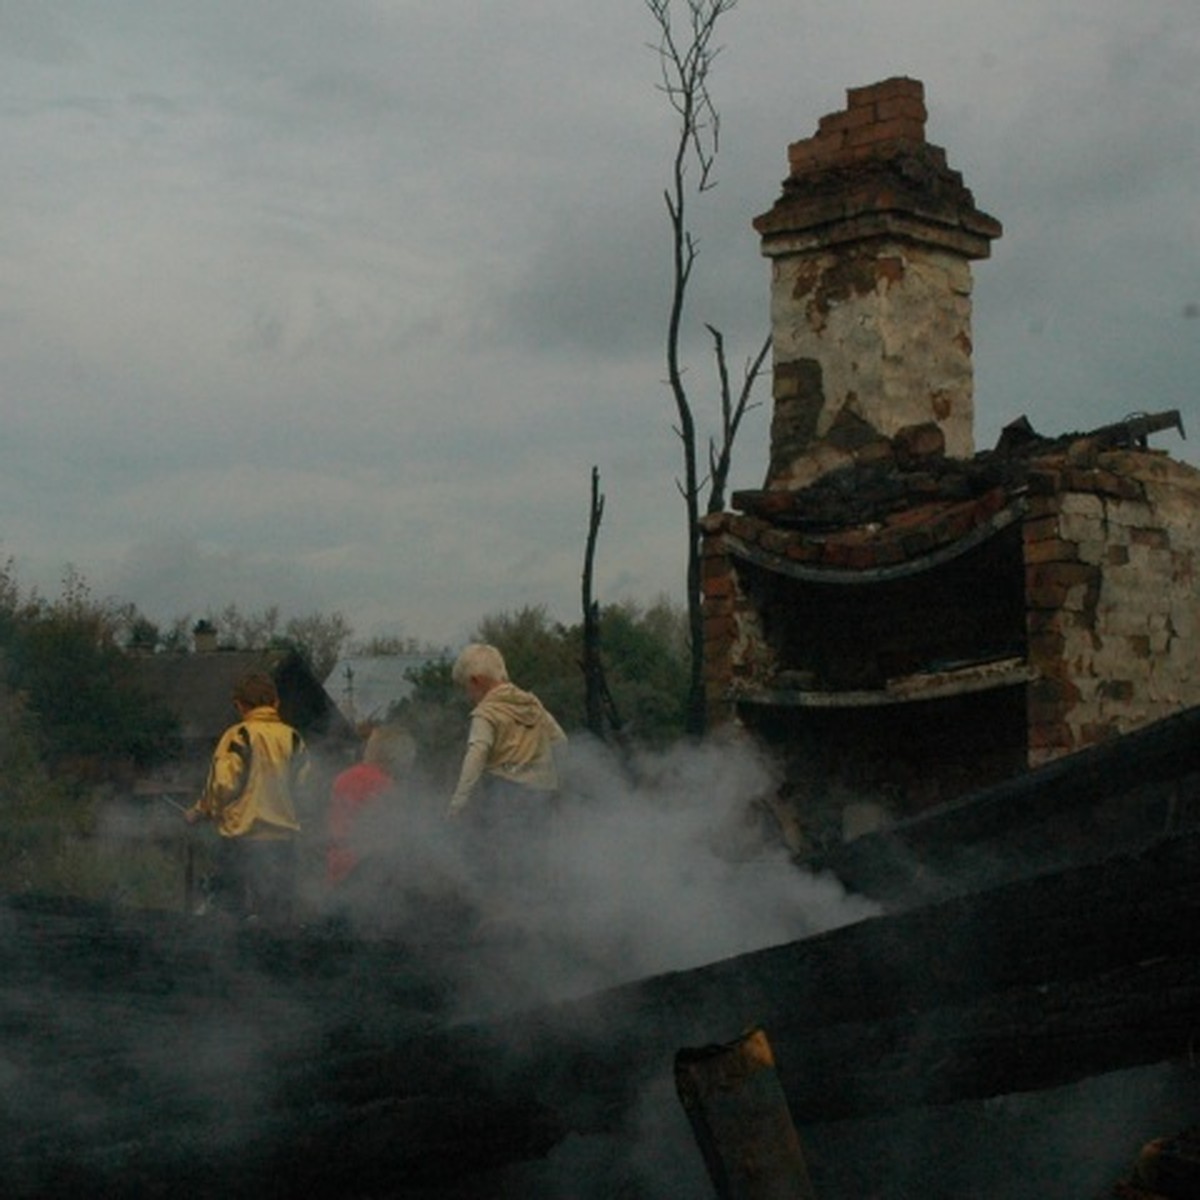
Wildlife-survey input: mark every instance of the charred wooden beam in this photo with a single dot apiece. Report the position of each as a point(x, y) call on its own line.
point(1028, 986)
point(740, 1117)
point(1109, 798)
point(264, 1060)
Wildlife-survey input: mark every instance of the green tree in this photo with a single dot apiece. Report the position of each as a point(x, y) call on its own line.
point(64, 660)
point(34, 814)
point(647, 664)
point(435, 714)
point(542, 656)
point(319, 637)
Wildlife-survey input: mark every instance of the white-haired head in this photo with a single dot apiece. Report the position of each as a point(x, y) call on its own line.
point(479, 661)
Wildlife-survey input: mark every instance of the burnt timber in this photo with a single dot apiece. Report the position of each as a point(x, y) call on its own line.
point(145, 1053)
point(1119, 795)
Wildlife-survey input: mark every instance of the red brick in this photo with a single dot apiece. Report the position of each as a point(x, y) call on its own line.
point(1046, 647)
point(991, 502)
point(1051, 550)
point(1045, 504)
point(776, 541)
point(1054, 692)
point(898, 129)
point(954, 525)
point(803, 551)
point(1157, 539)
point(1060, 574)
point(747, 528)
point(1040, 622)
point(835, 124)
point(1040, 528)
point(887, 89)
point(1094, 732)
point(1051, 736)
point(719, 587)
point(905, 107)
point(719, 629)
point(1102, 483)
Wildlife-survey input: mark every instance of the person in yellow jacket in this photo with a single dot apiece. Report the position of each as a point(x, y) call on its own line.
point(250, 797)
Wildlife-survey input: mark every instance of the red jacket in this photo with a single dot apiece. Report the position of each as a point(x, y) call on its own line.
point(354, 790)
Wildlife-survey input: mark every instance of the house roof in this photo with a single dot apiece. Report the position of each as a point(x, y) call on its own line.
point(197, 688)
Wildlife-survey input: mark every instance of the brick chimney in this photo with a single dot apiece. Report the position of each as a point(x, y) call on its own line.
point(204, 637)
point(871, 243)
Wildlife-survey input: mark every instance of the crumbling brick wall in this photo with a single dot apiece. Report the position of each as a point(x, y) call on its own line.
point(1111, 545)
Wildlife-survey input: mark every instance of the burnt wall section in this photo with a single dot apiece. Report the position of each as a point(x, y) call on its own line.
point(1111, 547)
point(865, 635)
point(887, 663)
point(850, 771)
point(792, 602)
point(871, 243)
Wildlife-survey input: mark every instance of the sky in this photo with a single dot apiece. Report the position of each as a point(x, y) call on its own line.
point(334, 307)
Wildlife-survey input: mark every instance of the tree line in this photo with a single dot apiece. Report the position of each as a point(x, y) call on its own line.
point(69, 691)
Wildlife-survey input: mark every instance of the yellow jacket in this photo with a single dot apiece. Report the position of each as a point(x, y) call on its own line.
point(255, 770)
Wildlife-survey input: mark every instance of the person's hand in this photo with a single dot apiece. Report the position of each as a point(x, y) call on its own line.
point(192, 815)
point(456, 810)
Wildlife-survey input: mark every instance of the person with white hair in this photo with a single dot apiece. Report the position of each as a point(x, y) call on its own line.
point(508, 786)
point(510, 755)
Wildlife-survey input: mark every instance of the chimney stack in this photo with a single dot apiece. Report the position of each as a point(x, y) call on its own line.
point(204, 637)
point(871, 243)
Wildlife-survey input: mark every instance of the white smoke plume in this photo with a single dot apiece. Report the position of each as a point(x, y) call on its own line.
point(657, 865)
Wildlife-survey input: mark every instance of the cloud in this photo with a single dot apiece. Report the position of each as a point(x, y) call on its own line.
point(413, 267)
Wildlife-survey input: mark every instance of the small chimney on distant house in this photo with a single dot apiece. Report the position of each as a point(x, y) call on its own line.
point(871, 244)
point(204, 637)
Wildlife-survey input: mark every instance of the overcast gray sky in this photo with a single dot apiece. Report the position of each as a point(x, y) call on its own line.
point(335, 306)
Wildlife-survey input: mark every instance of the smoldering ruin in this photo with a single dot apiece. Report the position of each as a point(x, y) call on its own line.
point(942, 848)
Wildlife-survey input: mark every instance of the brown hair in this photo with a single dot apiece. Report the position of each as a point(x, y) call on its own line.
point(255, 690)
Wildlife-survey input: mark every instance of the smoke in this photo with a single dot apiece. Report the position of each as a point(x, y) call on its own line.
point(654, 865)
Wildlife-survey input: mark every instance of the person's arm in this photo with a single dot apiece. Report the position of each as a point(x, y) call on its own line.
point(226, 775)
point(479, 746)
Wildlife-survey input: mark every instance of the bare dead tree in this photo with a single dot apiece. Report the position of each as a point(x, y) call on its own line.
point(720, 454)
point(686, 55)
point(593, 704)
point(600, 709)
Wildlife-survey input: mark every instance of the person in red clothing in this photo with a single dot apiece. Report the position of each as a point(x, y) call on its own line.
point(387, 758)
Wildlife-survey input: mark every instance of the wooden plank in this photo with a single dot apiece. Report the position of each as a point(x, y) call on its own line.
point(285, 1055)
point(740, 1117)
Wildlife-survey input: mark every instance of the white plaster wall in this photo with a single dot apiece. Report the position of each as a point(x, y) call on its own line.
point(896, 355)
